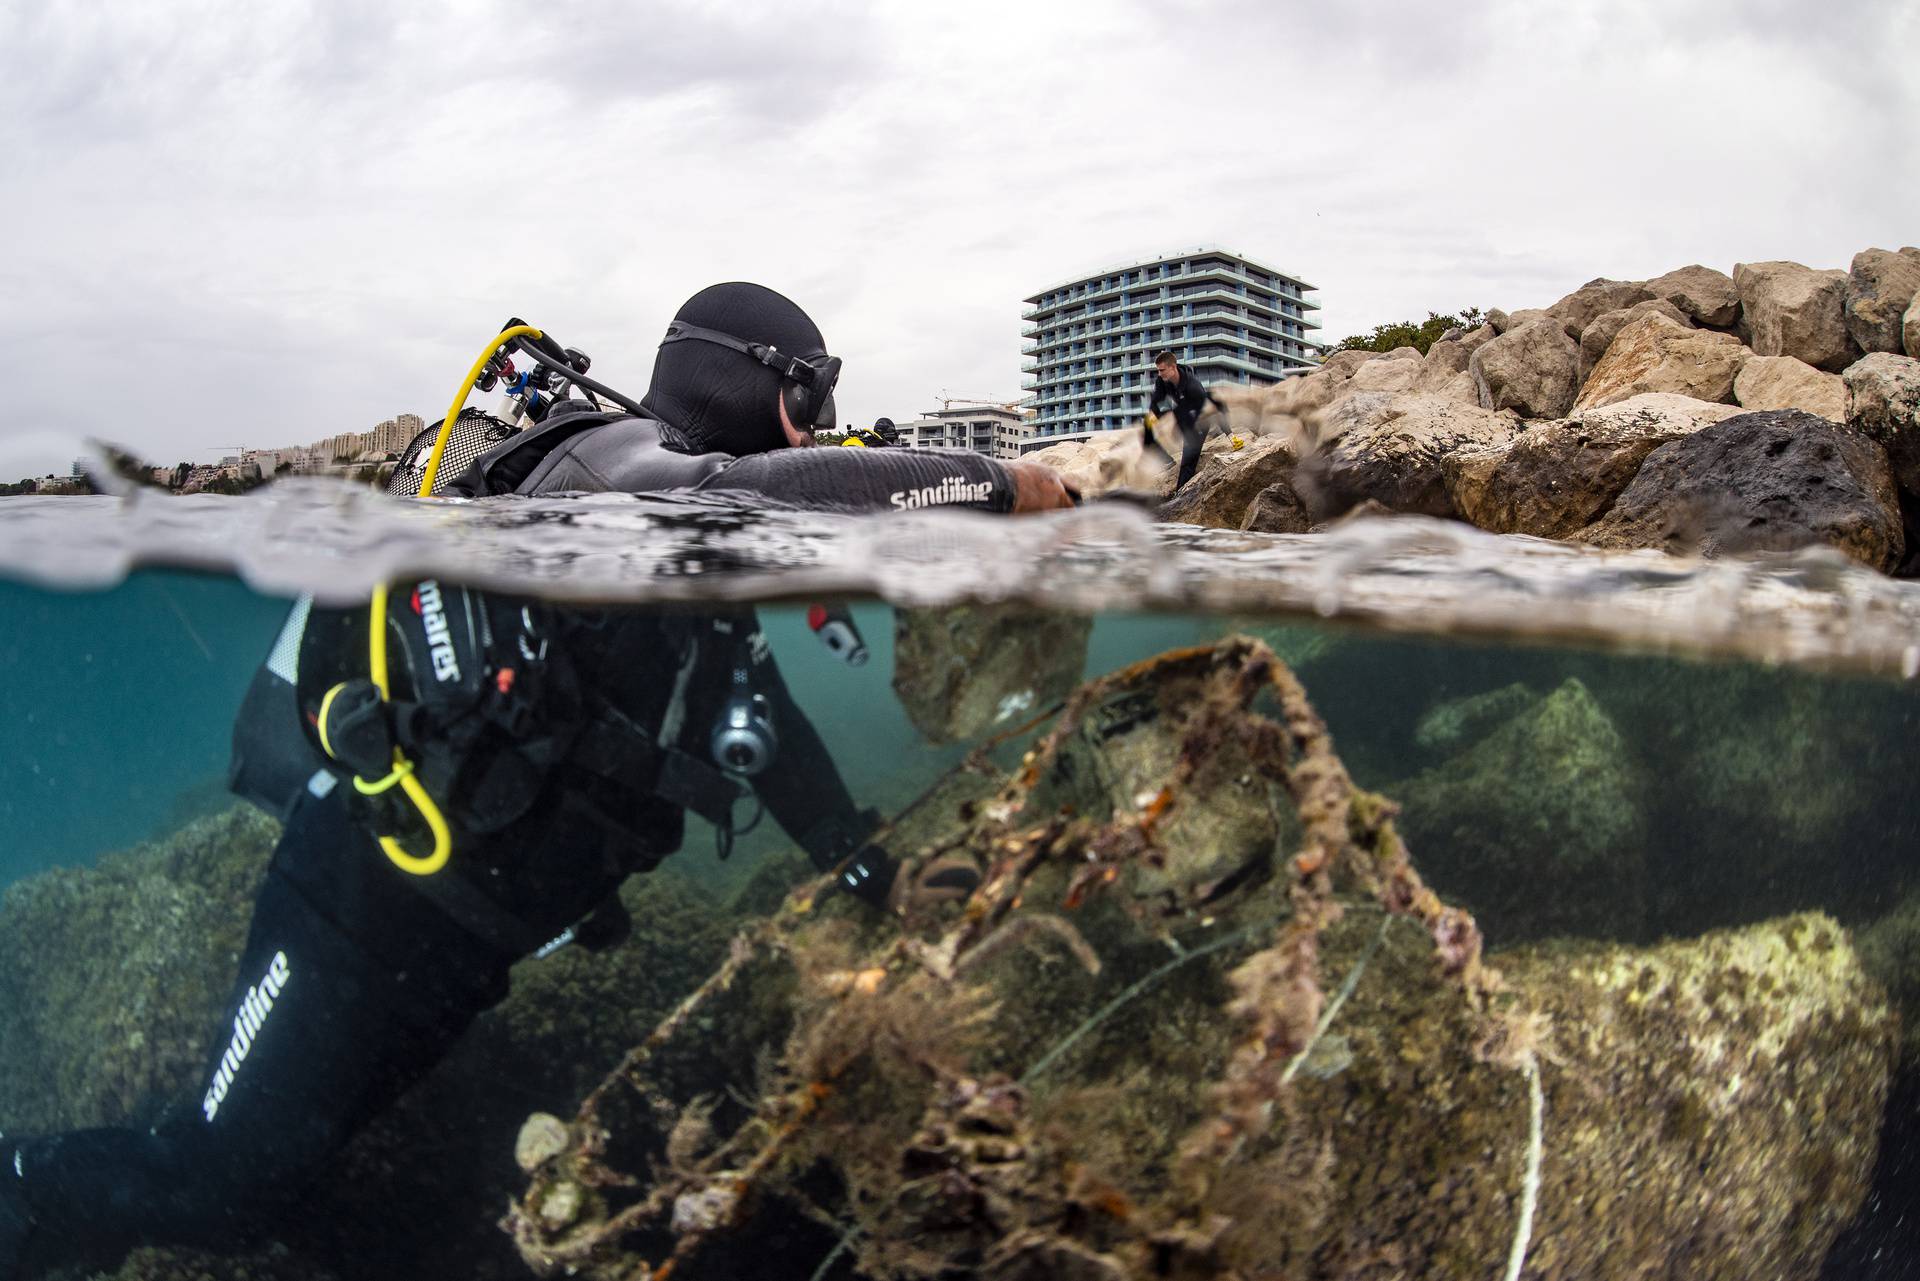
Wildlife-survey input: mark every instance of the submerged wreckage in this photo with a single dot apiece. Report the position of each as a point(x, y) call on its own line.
point(1202, 1018)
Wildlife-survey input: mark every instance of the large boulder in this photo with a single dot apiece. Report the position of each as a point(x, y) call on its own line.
point(1532, 369)
point(1655, 353)
point(1548, 798)
point(1910, 330)
point(1557, 478)
point(1881, 286)
point(1781, 382)
point(1708, 297)
point(1225, 485)
point(1254, 409)
point(1595, 299)
point(960, 673)
point(1606, 327)
point(1277, 509)
point(1772, 480)
point(1396, 370)
point(1389, 448)
point(1107, 461)
point(1883, 401)
point(1796, 311)
point(1444, 371)
point(1681, 1140)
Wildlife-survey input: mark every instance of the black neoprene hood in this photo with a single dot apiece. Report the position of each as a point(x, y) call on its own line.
point(725, 401)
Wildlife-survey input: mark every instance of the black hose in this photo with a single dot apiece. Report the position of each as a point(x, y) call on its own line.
point(568, 372)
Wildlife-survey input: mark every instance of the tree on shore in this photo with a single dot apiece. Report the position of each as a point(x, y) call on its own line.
point(1420, 335)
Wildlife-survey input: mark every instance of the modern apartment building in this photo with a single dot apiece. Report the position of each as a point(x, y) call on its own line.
point(1090, 341)
point(997, 431)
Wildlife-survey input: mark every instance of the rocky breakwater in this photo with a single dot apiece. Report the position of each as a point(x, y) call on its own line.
point(1773, 408)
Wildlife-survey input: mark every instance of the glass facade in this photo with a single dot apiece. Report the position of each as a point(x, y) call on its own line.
point(1089, 343)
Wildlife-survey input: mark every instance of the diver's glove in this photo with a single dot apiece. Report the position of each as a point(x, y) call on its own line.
point(868, 876)
point(865, 870)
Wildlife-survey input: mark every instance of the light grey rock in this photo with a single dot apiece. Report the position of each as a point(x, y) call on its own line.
point(1883, 401)
point(1226, 484)
point(1707, 296)
point(1881, 286)
point(1796, 311)
point(1656, 354)
point(1594, 299)
point(1533, 370)
point(1389, 448)
point(1781, 382)
point(1599, 335)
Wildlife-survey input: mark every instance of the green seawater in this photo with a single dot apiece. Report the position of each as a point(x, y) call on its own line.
point(1558, 791)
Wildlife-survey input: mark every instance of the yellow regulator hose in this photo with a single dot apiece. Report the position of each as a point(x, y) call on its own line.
point(402, 767)
point(460, 399)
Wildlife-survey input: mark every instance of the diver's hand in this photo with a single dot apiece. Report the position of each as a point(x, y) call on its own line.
point(868, 876)
point(1038, 487)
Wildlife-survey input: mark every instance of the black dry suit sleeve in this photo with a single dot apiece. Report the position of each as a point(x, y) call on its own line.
point(1193, 395)
point(869, 479)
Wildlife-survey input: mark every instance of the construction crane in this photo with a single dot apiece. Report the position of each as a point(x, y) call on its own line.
point(949, 399)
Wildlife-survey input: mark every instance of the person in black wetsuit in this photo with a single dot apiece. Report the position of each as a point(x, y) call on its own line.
point(563, 747)
point(1176, 387)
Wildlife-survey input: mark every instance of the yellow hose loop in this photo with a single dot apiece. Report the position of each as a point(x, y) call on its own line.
point(373, 787)
point(402, 767)
point(436, 823)
point(325, 703)
point(460, 400)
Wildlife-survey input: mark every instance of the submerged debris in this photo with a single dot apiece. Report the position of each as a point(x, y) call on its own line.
point(1114, 1059)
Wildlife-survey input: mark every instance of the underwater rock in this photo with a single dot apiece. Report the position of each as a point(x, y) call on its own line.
point(1538, 828)
point(1208, 1105)
point(1459, 722)
point(1890, 951)
point(966, 671)
point(113, 978)
point(1711, 1108)
point(113, 1040)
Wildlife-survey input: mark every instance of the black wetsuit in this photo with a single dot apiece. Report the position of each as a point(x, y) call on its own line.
point(353, 982)
point(1188, 397)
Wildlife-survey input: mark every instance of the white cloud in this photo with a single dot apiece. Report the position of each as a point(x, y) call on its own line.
point(241, 222)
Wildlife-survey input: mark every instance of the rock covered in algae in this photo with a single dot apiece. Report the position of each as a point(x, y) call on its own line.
point(112, 981)
point(1712, 1109)
point(113, 977)
point(964, 672)
point(1538, 828)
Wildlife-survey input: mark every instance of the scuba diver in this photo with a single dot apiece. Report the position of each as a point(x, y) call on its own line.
point(465, 779)
point(1178, 386)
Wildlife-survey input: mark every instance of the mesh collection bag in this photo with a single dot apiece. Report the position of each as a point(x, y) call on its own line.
point(473, 434)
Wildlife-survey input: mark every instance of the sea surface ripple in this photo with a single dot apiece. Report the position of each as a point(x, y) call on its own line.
point(1813, 608)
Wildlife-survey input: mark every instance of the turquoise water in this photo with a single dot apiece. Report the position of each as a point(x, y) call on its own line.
point(1624, 749)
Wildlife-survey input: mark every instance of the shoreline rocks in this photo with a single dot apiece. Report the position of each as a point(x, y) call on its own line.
point(1496, 426)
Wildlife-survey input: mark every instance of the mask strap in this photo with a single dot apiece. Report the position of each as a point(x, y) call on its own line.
point(792, 368)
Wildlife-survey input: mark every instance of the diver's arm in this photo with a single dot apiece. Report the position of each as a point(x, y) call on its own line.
point(870, 479)
point(807, 797)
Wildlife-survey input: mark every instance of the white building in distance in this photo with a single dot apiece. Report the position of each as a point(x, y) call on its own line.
point(997, 431)
point(1090, 341)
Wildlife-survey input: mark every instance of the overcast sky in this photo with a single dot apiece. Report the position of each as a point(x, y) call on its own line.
point(240, 223)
